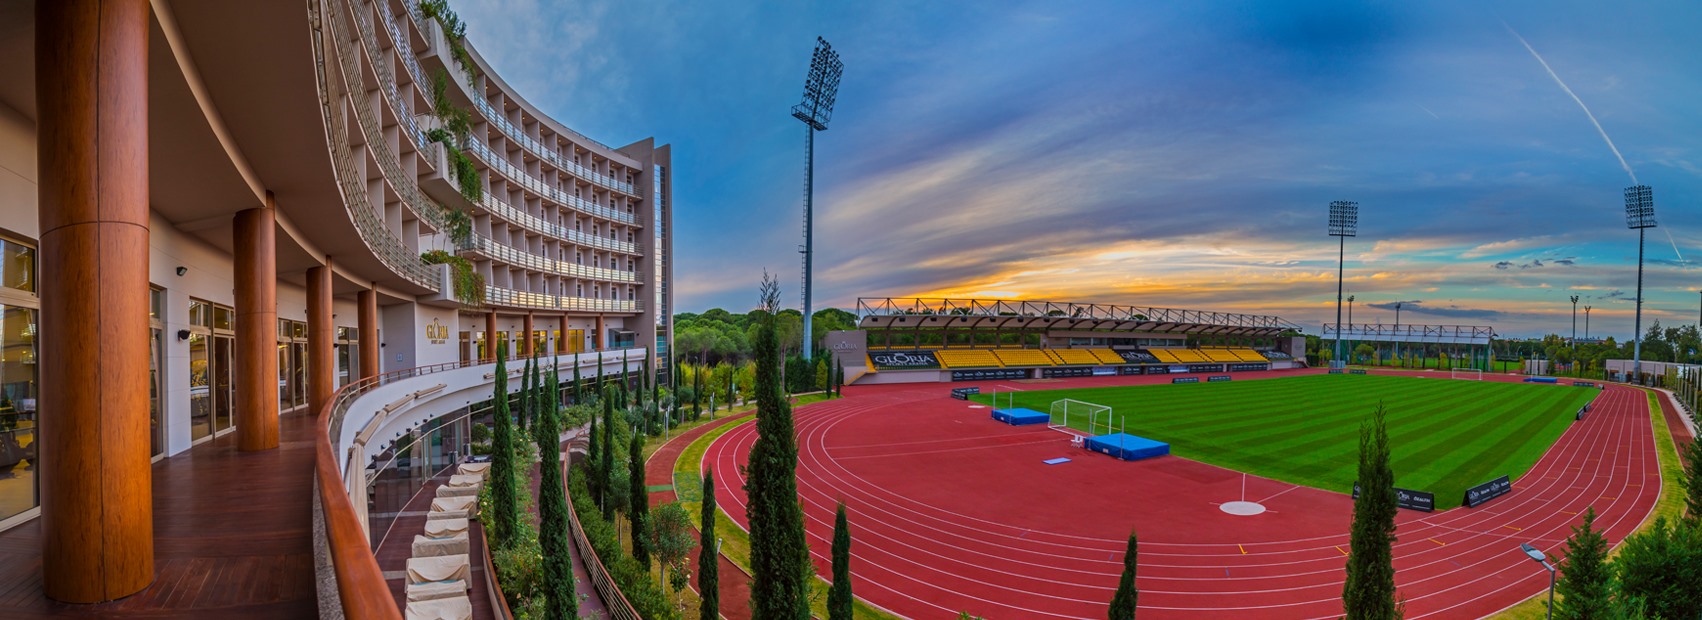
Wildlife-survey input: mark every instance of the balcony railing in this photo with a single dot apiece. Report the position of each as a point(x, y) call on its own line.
point(384, 244)
point(514, 133)
point(521, 299)
point(541, 226)
point(515, 174)
point(515, 256)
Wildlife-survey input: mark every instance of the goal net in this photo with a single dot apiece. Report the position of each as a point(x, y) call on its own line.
point(1078, 416)
point(1466, 373)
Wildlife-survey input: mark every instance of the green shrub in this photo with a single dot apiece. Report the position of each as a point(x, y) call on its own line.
point(644, 593)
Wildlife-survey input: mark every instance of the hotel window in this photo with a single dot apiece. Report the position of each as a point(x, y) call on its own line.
point(20, 489)
point(348, 355)
point(156, 352)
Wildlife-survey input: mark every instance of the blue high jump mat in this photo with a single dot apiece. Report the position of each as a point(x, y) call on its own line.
point(1057, 461)
point(1127, 447)
point(1020, 416)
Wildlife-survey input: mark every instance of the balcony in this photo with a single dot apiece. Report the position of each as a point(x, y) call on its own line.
point(539, 225)
point(521, 258)
point(521, 299)
point(537, 186)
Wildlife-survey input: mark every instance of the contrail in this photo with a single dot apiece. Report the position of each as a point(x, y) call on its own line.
point(1574, 97)
point(1427, 111)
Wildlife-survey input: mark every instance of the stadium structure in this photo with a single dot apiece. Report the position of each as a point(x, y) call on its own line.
point(918, 340)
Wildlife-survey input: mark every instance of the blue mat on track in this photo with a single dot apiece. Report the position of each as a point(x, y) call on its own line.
point(1020, 416)
point(1127, 447)
point(1541, 380)
point(1056, 461)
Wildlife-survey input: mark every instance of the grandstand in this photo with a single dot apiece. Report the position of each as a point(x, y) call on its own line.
point(939, 339)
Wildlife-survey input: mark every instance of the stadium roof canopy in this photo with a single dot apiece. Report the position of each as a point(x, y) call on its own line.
point(1423, 334)
point(938, 312)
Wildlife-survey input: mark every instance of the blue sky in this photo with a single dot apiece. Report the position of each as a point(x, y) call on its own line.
point(1166, 154)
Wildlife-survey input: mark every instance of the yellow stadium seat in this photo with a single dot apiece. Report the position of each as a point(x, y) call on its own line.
point(1107, 356)
point(1220, 355)
point(1167, 356)
point(1023, 357)
point(1249, 355)
point(967, 358)
point(1076, 357)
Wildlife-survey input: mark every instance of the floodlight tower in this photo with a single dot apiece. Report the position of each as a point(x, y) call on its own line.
point(1587, 310)
point(821, 86)
point(1639, 215)
point(1574, 323)
point(1344, 223)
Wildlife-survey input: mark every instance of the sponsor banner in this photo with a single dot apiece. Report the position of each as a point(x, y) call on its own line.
point(1356, 371)
point(1217, 378)
point(1408, 499)
point(1062, 373)
point(1581, 411)
point(1142, 370)
point(904, 360)
point(1482, 493)
point(1104, 371)
point(1248, 367)
point(1335, 371)
point(1177, 370)
point(1185, 380)
point(1137, 357)
point(1205, 368)
point(964, 393)
point(1583, 384)
point(988, 374)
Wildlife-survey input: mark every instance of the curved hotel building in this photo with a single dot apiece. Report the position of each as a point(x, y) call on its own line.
point(255, 258)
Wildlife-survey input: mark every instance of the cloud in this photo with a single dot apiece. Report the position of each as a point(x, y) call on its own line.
point(1450, 311)
point(1504, 265)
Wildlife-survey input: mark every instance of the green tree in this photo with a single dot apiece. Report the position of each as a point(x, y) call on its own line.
point(638, 509)
point(1586, 581)
point(780, 567)
point(552, 513)
point(1369, 593)
point(1661, 567)
point(670, 537)
point(1693, 483)
point(504, 498)
point(526, 393)
point(606, 471)
point(593, 460)
point(839, 595)
point(1123, 603)
point(708, 555)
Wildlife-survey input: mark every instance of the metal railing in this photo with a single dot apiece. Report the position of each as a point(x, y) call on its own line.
point(1434, 334)
point(379, 239)
point(614, 601)
point(514, 174)
point(522, 299)
point(514, 256)
point(870, 307)
point(543, 227)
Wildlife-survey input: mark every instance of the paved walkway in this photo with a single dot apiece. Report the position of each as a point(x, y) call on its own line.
point(734, 581)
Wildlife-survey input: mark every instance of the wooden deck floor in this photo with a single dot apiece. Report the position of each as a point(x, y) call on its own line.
point(233, 539)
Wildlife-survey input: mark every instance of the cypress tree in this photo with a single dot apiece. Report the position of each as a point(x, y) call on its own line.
point(606, 471)
point(708, 554)
point(1123, 603)
point(640, 509)
point(578, 387)
point(1586, 581)
point(593, 460)
point(1369, 593)
point(504, 503)
point(780, 567)
point(1692, 480)
point(552, 514)
point(526, 392)
point(839, 595)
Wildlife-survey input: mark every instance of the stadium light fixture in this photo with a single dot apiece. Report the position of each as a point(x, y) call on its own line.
point(821, 88)
point(1587, 310)
point(1639, 216)
point(1344, 223)
point(1537, 555)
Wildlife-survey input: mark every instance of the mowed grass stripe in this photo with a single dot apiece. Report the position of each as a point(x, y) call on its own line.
point(1446, 435)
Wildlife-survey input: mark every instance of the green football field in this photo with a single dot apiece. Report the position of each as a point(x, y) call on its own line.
point(1446, 435)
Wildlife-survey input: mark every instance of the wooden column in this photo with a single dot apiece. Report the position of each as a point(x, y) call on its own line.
point(256, 329)
point(526, 340)
point(490, 336)
point(97, 519)
point(321, 334)
point(368, 300)
point(597, 337)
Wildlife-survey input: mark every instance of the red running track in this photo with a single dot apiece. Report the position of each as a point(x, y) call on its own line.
point(952, 512)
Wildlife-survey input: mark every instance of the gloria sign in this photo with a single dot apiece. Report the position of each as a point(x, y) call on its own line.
point(1482, 493)
point(436, 332)
point(904, 360)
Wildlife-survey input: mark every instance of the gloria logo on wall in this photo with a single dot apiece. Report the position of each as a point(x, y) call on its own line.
point(437, 332)
point(905, 359)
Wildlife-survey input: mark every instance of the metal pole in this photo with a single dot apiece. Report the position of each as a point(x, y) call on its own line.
point(1397, 345)
point(1341, 258)
point(1550, 590)
point(1637, 329)
point(1351, 345)
point(809, 238)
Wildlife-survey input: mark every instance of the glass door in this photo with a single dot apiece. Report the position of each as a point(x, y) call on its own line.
point(156, 432)
point(224, 385)
point(200, 388)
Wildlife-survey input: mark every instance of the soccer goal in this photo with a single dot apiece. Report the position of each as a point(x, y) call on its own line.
point(1466, 373)
point(1079, 416)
